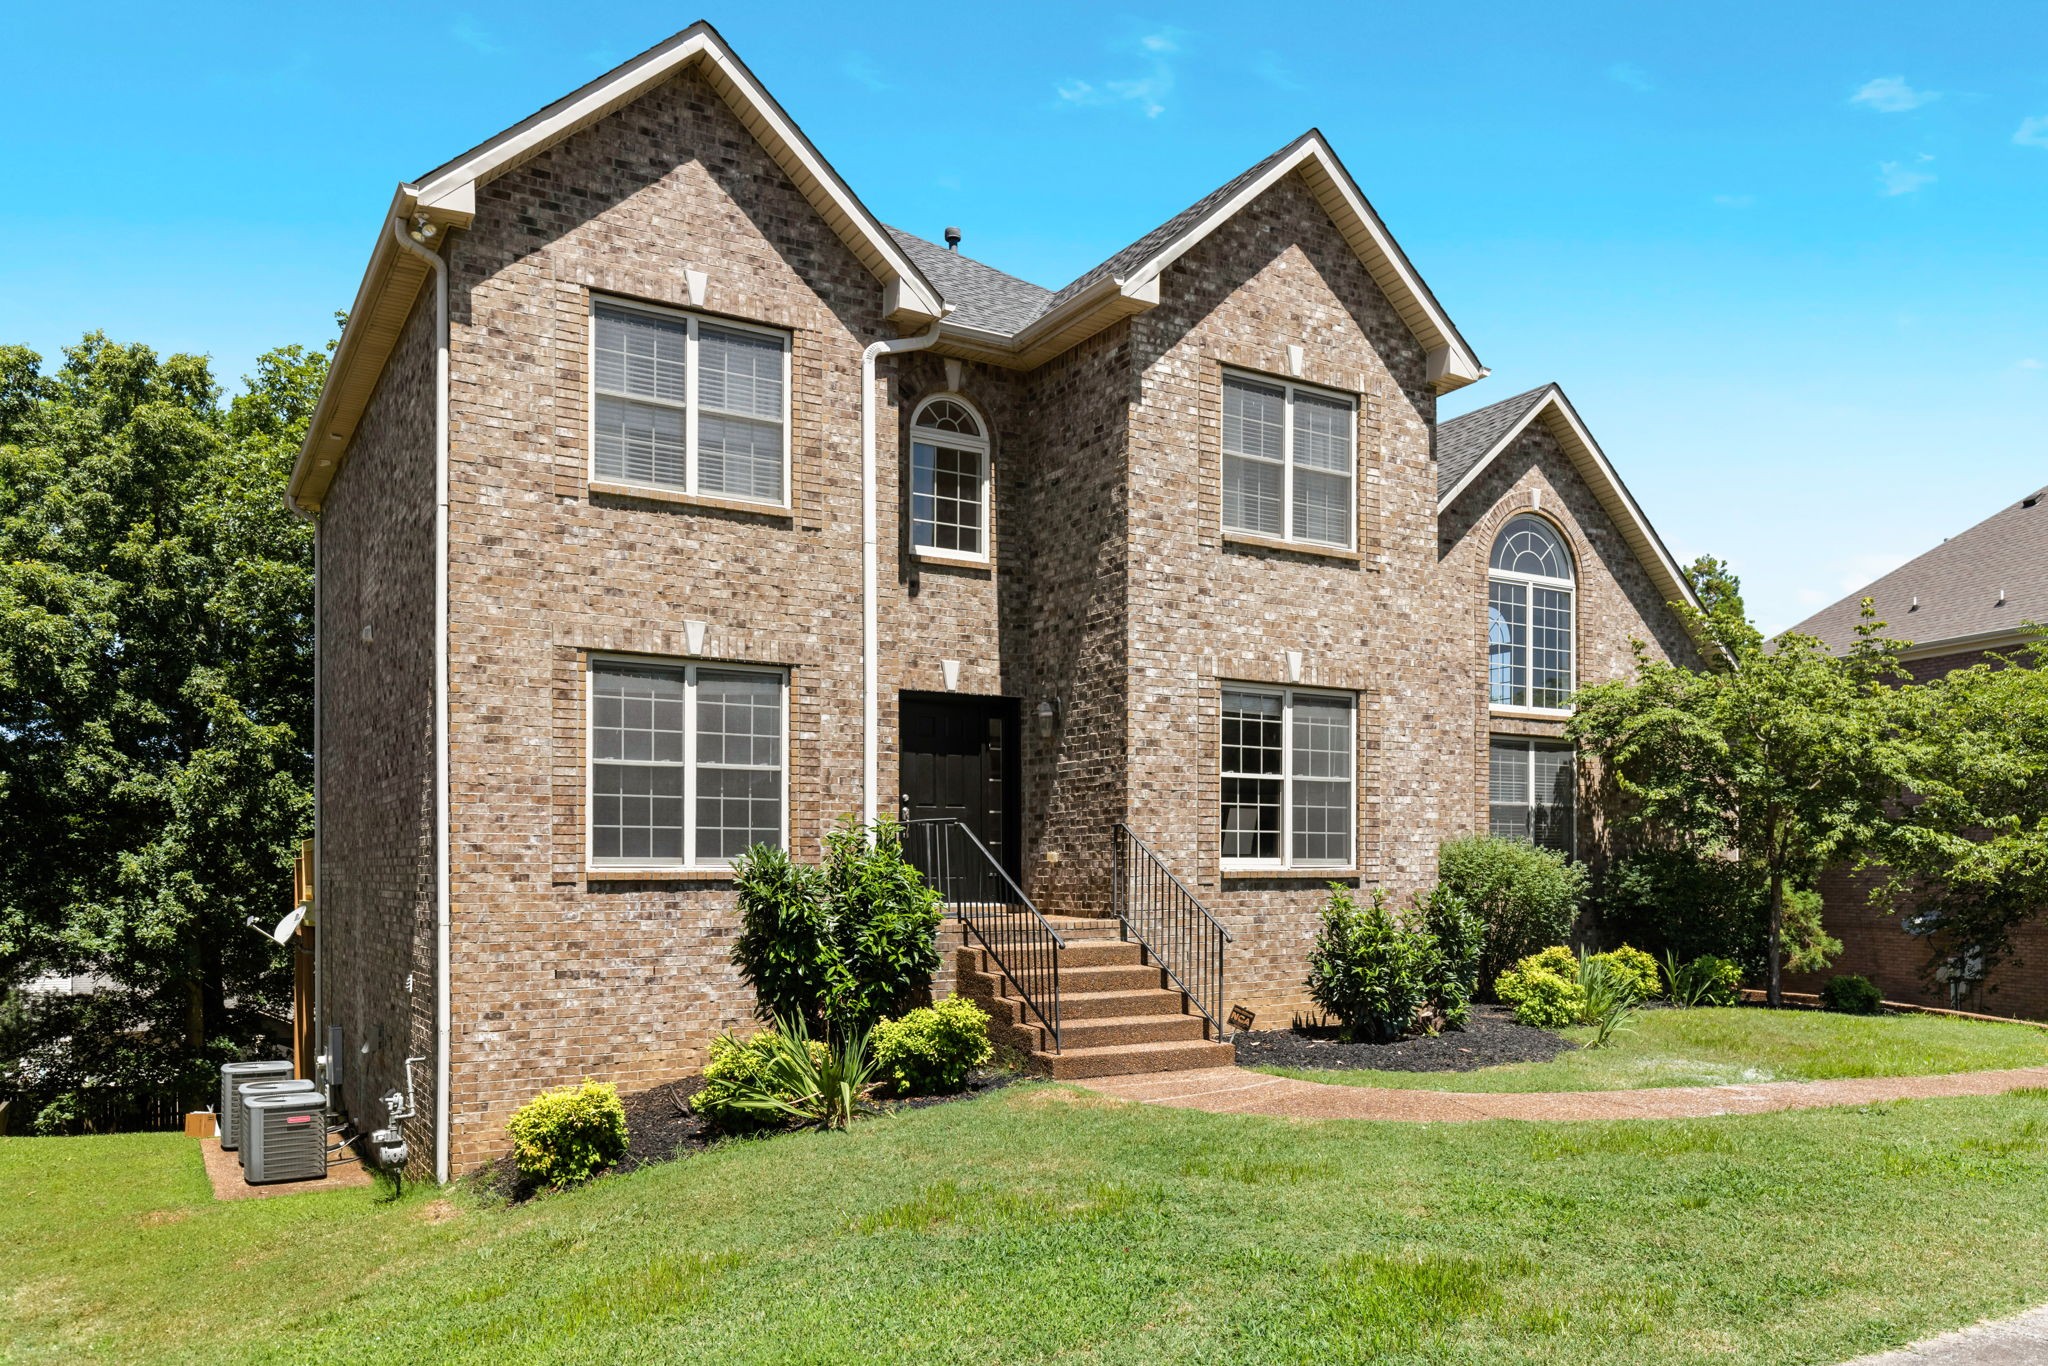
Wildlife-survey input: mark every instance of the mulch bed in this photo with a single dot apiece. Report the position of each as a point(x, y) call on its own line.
point(1491, 1039)
point(661, 1127)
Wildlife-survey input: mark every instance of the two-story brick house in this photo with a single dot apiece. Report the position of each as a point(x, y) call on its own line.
point(667, 502)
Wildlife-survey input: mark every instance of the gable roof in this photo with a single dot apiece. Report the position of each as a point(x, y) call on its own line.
point(1949, 597)
point(1469, 444)
point(996, 317)
point(1128, 282)
point(446, 197)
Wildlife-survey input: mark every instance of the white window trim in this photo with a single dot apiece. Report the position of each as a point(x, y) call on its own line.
point(1292, 387)
point(688, 668)
point(1286, 862)
point(981, 446)
point(1529, 744)
point(1528, 582)
point(691, 319)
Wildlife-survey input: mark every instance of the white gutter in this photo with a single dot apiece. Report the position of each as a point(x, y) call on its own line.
point(870, 550)
point(441, 996)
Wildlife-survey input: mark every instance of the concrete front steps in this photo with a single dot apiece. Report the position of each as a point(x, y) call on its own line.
point(1118, 1012)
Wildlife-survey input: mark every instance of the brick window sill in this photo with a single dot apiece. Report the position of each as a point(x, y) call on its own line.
point(1530, 713)
point(703, 501)
point(1321, 552)
point(1288, 874)
point(658, 874)
point(940, 560)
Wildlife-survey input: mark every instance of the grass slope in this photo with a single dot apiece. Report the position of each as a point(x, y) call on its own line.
point(1043, 1222)
point(1716, 1047)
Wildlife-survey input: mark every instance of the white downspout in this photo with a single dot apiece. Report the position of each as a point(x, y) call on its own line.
point(870, 550)
point(441, 995)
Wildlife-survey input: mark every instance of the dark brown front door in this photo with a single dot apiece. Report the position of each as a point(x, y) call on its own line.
point(959, 763)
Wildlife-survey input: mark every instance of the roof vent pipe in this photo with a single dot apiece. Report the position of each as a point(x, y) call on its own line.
point(952, 239)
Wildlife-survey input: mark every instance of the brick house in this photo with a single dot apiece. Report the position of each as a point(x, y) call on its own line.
point(668, 502)
point(1959, 604)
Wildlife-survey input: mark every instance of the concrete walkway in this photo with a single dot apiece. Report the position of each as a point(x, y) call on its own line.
point(2021, 1341)
point(1237, 1091)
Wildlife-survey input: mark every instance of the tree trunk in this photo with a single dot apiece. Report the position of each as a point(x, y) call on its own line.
point(1774, 995)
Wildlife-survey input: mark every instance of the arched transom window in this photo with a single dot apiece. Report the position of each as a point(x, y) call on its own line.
point(949, 479)
point(1529, 617)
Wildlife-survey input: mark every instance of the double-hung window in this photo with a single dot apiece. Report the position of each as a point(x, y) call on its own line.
point(948, 480)
point(1529, 618)
point(687, 763)
point(1532, 792)
point(687, 405)
point(1289, 466)
point(1288, 791)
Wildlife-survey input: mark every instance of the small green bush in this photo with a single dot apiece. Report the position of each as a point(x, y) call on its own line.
point(736, 1073)
point(841, 946)
point(1458, 936)
point(1527, 897)
point(1544, 989)
point(930, 1051)
point(1705, 981)
point(1850, 994)
point(790, 1078)
point(1368, 969)
point(1637, 968)
point(567, 1135)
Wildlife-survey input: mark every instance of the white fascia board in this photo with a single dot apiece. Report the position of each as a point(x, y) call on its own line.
point(1594, 467)
point(1456, 366)
point(915, 298)
point(2005, 637)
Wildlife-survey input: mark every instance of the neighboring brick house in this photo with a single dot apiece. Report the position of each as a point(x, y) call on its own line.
point(1961, 603)
point(1181, 544)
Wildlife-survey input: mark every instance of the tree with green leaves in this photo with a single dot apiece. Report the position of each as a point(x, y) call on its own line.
point(155, 673)
point(1775, 757)
point(1968, 850)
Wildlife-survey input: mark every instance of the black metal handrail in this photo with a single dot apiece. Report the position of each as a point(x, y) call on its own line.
point(1177, 931)
point(994, 909)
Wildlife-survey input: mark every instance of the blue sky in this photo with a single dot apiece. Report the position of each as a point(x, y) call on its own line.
point(1789, 261)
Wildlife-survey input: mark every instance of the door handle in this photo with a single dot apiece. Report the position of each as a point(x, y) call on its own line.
point(903, 807)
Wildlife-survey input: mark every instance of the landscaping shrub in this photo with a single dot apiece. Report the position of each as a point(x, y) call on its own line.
point(1527, 897)
point(930, 1051)
point(1458, 936)
point(1609, 994)
point(1676, 901)
point(1368, 969)
point(567, 1135)
point(789, 1077)
point(1544, 989)
point(1850, 994)
point(735, 1073)
point(1637, 968)
point(1705, 981)
point(841, 946)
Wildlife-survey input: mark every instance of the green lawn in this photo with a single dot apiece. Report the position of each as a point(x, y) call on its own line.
point(1043, 1223)
point(1715, 1047)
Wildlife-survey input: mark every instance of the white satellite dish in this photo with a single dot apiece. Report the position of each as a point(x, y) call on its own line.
point(286, 927)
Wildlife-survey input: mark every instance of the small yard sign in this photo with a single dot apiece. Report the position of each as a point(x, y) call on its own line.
point(1241, 1018)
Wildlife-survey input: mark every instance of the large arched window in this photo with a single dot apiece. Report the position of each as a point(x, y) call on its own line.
point(949, 479)
point(1529, 617)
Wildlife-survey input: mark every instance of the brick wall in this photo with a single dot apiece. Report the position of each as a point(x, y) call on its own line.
point(1110, 592)
point(376, 662)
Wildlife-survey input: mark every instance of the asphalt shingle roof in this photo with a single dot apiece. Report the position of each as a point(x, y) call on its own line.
point(1462, 442)
point(1957, 584)
point(982, 296)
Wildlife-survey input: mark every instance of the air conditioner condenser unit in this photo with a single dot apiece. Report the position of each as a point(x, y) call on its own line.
point(250, 1091)
point(234, 1074)
point(287, 1137)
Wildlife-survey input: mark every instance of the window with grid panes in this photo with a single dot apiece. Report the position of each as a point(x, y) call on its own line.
point(949, 484)
point(1289, 464)
point(687, 764)
point(1529, 618)
point(689, 405)
point(1287, 798)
